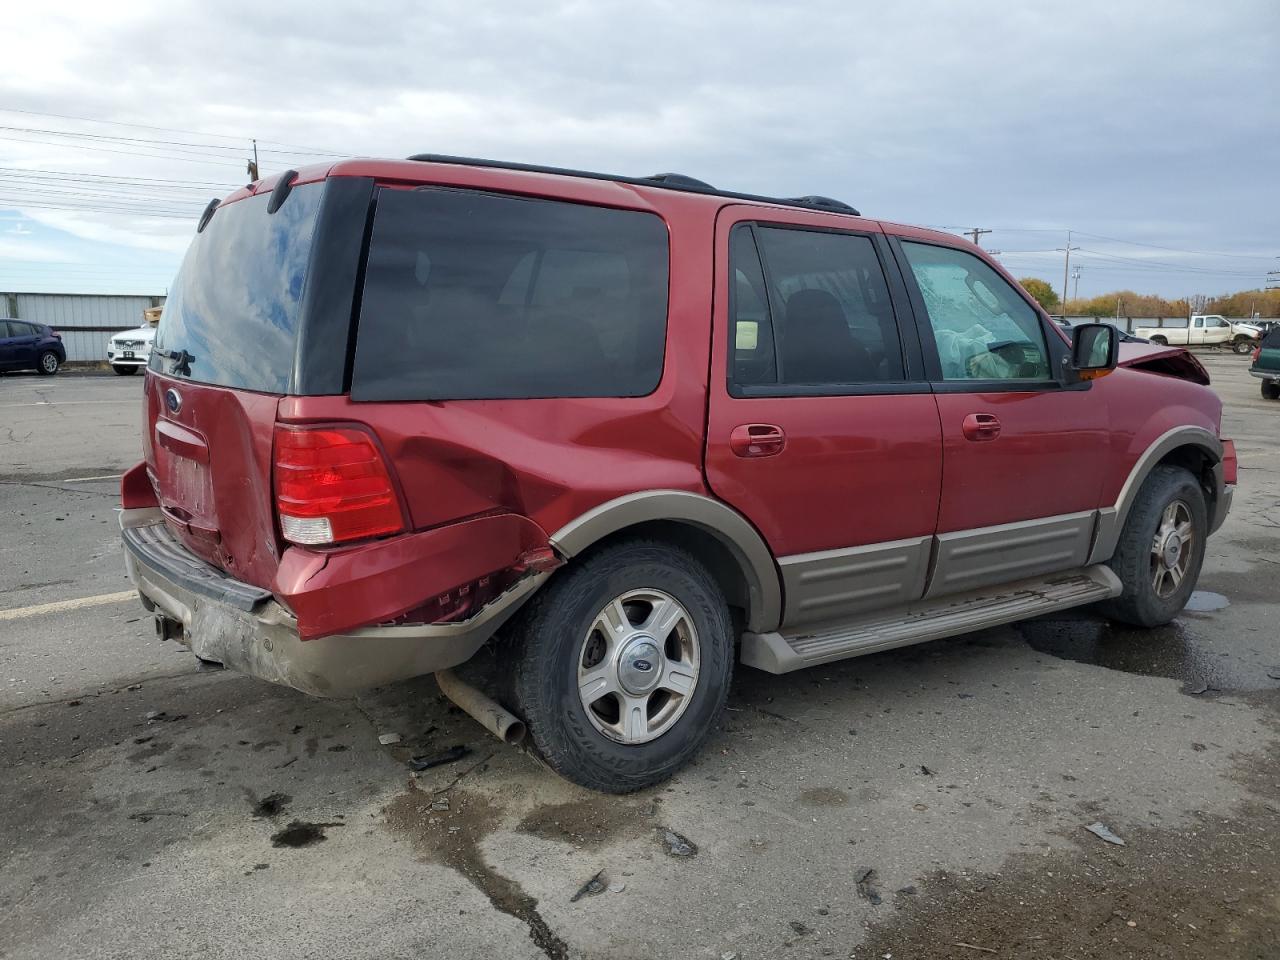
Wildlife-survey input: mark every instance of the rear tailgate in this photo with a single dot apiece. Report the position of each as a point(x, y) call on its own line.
point(223, 357)
point(209, 456)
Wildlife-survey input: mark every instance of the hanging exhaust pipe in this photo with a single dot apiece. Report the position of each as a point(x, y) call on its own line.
point(490, 714)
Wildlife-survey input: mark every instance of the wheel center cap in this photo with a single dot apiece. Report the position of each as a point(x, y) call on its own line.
point(638, 665)
point(1172, 550)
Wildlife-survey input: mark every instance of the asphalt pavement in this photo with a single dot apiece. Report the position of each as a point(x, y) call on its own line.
point(930, 802)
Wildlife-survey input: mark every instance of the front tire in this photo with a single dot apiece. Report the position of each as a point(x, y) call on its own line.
point(48, 363)
point(1270, 390)
point(1161, 549)
point(124, 371)
point(624, 665)
point(1242, 345)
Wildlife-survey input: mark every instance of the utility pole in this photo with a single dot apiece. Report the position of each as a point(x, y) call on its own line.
point(253, 164)
point(1066, 266)
point(975, 233)
point(1075, 289)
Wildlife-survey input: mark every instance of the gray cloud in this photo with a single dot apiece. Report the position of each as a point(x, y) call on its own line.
point(1150, 123)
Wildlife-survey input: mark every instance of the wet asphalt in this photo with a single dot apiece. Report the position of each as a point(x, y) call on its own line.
point(925, 802)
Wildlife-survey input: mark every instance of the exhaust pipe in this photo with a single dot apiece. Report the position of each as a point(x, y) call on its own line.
point(490, 714)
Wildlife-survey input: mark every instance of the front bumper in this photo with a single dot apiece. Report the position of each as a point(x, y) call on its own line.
point(246, 629)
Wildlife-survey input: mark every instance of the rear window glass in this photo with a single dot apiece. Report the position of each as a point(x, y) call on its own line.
point(231, 318)
point(471, 295)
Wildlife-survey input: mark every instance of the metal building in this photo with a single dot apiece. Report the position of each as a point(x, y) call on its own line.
point(85, 320)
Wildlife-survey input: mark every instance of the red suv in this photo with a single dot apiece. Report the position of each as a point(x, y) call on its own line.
point(640, 428)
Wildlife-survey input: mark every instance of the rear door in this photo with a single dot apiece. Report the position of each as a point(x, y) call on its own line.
point(22, 343)
point(1023, 454)
point(822, 429)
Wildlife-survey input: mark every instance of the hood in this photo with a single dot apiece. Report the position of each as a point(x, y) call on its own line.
point(137, 333)
point(1168, 361)
point(1248, 326)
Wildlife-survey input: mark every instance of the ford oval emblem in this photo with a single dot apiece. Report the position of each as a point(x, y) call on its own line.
point(172, 400)
point(644, 666)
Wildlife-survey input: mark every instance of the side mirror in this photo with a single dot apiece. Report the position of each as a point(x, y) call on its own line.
point(1095, 348)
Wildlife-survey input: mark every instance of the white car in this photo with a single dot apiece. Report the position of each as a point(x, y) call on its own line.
point(129, 351)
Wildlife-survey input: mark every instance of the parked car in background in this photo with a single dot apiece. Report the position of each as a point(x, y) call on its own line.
point(30, 346)
point(1266, 364)
point(634, 430)
point(129, 352)
point(1205, 331)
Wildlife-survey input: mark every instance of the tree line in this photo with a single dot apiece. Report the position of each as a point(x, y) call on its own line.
point(1127, 303)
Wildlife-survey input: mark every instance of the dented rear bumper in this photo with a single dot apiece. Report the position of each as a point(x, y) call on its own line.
point(248, 630)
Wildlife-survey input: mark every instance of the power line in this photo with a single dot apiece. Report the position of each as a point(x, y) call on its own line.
point(144, 126)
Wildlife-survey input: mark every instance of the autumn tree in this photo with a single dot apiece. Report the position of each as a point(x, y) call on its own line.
point(1042, 291)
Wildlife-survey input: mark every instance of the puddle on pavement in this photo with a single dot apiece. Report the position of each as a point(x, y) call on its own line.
point(300, 833)
point(1206, 601)
point(1170, 651)
point(591, 822)
point(452, 837)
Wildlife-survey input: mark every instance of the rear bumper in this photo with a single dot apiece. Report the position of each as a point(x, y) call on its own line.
point(1265, 374)
point(246, 629)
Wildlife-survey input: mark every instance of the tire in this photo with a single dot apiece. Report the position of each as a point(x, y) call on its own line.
point(124, 371)
point(1270, 390)
point(589, 738)
point(1163, 341)
point(47, 364)
point(1242, 345)
point(1168, 494)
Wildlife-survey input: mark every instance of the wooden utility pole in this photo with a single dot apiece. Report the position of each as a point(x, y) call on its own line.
point(975, 233)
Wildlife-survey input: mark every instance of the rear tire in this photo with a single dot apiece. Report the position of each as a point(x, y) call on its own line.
point(48, 363)
point(124, 371)
point(1161, 549)
point(1163, 341)
point(1242, 345)
point(1270, 390)
point(624, 663)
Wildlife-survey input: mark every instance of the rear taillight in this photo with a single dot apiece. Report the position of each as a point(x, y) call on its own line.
point(332, 485)
point(1257, 352)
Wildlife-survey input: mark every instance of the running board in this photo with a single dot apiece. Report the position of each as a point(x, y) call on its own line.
point(930, 620)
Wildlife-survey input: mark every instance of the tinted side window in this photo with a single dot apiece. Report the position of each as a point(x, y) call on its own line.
point(6, 328)
point(831, 312)
point(470, 295)
point(983, 329)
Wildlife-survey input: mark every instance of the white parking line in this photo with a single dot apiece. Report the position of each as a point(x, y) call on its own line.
point(40, 609)
point(66, 403)
point(105, 476)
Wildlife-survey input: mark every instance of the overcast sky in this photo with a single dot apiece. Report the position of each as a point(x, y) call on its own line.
point(1136, 122)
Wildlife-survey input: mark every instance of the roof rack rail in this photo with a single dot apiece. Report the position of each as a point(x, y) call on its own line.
point(666, 181)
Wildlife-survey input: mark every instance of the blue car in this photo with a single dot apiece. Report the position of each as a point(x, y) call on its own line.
point(30, 346)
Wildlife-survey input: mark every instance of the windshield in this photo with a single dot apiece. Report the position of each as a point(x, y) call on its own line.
point(231, 318)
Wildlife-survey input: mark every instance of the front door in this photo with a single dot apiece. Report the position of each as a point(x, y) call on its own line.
point(1023, 452)
point(822, 429)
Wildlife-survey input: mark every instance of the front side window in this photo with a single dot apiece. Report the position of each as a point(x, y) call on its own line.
point(822, 317)
point(982, 328)
point(472, 295)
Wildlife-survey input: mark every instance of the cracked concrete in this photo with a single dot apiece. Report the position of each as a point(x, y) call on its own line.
point(962, 770)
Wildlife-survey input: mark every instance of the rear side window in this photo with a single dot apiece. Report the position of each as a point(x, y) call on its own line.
point(823, 315)
point(231, 318)
point(470, 295)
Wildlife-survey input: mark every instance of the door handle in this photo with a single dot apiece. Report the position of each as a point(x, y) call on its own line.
point(980, 426)
point(757, 440)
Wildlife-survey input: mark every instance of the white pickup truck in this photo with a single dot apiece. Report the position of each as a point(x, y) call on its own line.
point(1204, 331)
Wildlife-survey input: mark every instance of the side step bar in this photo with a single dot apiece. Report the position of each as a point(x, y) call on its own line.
point(930, 620)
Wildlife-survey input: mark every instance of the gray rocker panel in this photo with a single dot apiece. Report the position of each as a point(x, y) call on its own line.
point(929, 620)
point(969, 559)
point(837, 583)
